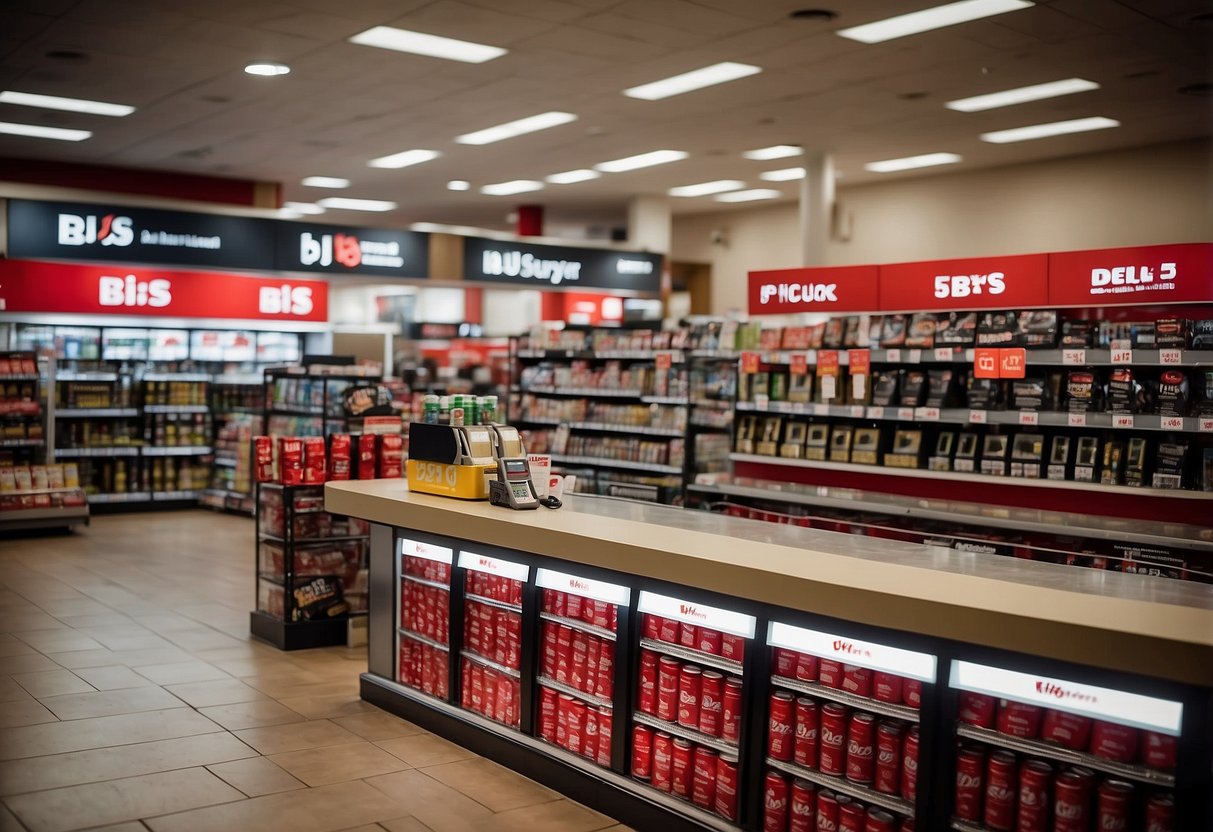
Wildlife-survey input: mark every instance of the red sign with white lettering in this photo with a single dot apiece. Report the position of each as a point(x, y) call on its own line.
point(824, 289)
point(985, 362)
point(1012, 362)
point(1017, 282)
point(32, 286)
point(1180, 273)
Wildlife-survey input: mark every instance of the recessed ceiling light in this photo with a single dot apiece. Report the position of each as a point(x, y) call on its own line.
point(1043, 131)
point(514, 186)
point(432, 46)
point(928, 19)
point(1021, 95)
point(403, 159)
point(325, 182)
point(777, 151)
point(643, 160)
point(72, 105)
point(782, 175)
point(350, 204)
point(37, 131)
point(458, 185)
point(910, 162)
point(813, 14)
point(697, 79)
point(520, 127)
point(267, 68)
point(750, 195)
point(303, 207)
point(570, 177)
point(705, 188)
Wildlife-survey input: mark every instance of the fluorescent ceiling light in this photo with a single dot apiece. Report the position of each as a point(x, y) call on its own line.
point(697, 79)
point(1043, 131)
point(72, 105)
point(516, 128)
point(403, 159)
point(1021, 95)
point(644, 160)
point(776, 151)
point(928, 19)
point(303, 207)
point(570, 177)
point(432, 46)
point(267, 68)
point(782, 175)
point(325, 182)
point(350, 204)
point(36, 131)
point(910, 162)
point(458, 185)
point(705, 188)
point(514, 186)
point(750, 195)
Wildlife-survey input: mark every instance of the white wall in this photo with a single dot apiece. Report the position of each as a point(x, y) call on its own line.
point(1159, 194)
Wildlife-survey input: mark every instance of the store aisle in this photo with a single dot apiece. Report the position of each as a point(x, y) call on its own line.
point(131, 698)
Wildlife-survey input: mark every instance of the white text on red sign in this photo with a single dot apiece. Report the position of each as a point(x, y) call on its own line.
point(798, 293)
point(965, 285)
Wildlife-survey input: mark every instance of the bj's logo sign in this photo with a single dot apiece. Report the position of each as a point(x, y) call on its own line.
point(347, 250)
point(109, 230)
point(689, 611)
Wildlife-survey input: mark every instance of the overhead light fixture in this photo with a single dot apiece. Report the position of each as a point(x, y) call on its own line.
point(750, 195)
point(520, 127)
point(303, 207)
point(325, 182)
point(458, 185)
point(431, 46)
point(928, 19)
point(926, 160)
point(514, 186)
point(72, 105)
point(643, 160)
point(1021, 95)
point(403, 159)
point(708, 76)
point(350, 204)
point(782, 175)
point(1043, 131)
point(267, 68)
point(570, 177)
point(37, 131)
point(776, 151)
point(705, 188)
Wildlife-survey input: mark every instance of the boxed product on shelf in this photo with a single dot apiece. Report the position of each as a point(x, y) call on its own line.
point(343, 560)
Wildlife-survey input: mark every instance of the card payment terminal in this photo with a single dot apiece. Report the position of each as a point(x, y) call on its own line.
point(513, 486)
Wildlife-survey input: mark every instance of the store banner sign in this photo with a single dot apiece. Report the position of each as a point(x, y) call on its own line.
point(417, 549)
point(494, 566)
point(335, 249)
point(727, 621)
point(106, 290)
point(1132, 276)
point(1018, 282)
point(585, 587)
point(92, 232)
point(550, 267)
point(830, 289)
point(920, 666)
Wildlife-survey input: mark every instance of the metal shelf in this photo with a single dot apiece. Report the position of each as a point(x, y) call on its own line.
point(686, 733)
point(677, 356)
point(70, 376)
point(310, 541)
point(112, 451)
point(489, 663)
point(691, 655)
point(43, 517)
point(418, 637)
point(597, 701)
point(96, 412)
point(637, 429)
point(176, 377)
point(425, 582)
point(587, 392)
point(174, 450)
point(175, 495)
point(578, 624)
point(493, 602)
point(561, 459)
point(19, 377)
point(680, 401)
point(845, 786)
point(1141, 774)
point(176, 408)
point(128, 497)
point(22, 443)
point(865, 703)
point(226, 462)
point(1065, 357)
point(967, 826)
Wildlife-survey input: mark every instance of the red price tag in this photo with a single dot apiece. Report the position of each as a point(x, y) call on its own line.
point(1170, 357)
point(665, 360)
point(1029, 417)
point(749, 362)
point(1073, 358)
point(1077, 420)
point(799, 364)
point(1172, 423)
point(1012, 363)
point(1206, 426)
point(985, 362)
point(827, 362)
point(977, 417)
point(1122, 420)
point(860, 362)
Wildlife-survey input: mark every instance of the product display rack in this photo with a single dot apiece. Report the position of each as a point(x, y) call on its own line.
point(237, 407)
point(713, 389)
point(306, 401)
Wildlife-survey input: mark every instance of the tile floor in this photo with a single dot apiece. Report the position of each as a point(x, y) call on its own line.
point(132, 699)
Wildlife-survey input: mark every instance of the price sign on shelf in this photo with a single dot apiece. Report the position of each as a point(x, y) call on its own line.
point(739, 624)
point(857, 411)
point(860, 361)
point(1170, 357)
point(828, 387)
point(914, 357)
point(977, 417)
point(892, 356)
point(1029, 417)
point(1205, 426)
point(926, 414)
point(876, 412)
point(868, 654)
point(799, 364)
point(664, 360)
point(749, 362)
point(1171, 423)
point(1077, 420)
point(1122, 351)
point(1122, 420)
point(1073, 358)
point(905, 414)
point(944, 354)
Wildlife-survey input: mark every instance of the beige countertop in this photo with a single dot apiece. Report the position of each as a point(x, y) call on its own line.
point(1153, 626)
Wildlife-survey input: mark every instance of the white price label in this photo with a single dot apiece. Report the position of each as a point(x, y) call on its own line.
point(876, 412)
point(892, 356)
point(1077, 420)
point(494, 566)
point(1122, 420)
point(859, 386)
point(1073, 358)
point(857, 411)
point(1029, 417)
point(821, 410)
point(781, 407)
point(1172, 423)
point(943, 354)
point(417, 549)
point(1170, 357)
point(1122, 356)
point(727, 621)
point(915, 357)
point(1205, 426)
point(977, 417)
point(762, 401)
point(598, 590)
point(828, 387)
point(920, 666)
point(926, 414)
point(906, 414)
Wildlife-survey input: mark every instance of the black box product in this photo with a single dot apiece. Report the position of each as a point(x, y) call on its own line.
point(1135, 461)
point(1169, 464)
point(1083, 394)
point(906, 451)
point(850, 332)
point(893, 331)
point(1078, 333)
point(834, 332)
point(997, 329)
point(875, 327)
point(945, 445)
point(1037, 330)
point(865, 449)
point(793, 440)
point(994, 451)
point(1123, 391)
point(1172, 333)
point(966, 452)
point(746, 426)
point(800, 388)
point(1144, 335)
point(1027, 455)
point(817, 443)
point(913, 388)
point(1059, 458)
point(984, 393)
point(885, 387)
point(1204, 387)
point(1202, 335)
point(956, 329)
point(921, 334)
point(766, 442)
point(1206, 470)
point(1030, 394)
point(1086, 458)
point(760, 385)
point(1112, 469)
point(840, 444)
point(1172, 393)
point(941, 388)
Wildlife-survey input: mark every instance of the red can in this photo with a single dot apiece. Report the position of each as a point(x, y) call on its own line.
point(1035, 778)
point(806, 667)
point(785, 662)
point(646, 695)
point(572, 605)
point(977, 709)
point(547, 713)
point(667, 688)
point(886, 687)
point(1071, 803)
point(703, 778)
point(663, 760)
point(970, 768)
point(688, 635)
point(726, 786)
point(879, 821)
point(1160, 813)
point(888, 757)
point(1158, 750)
point(861, 748)
point(781, 726)
point(577, 718)
point(852, 816)
point(909, 765)
point(642, 752)
point(830, 673)
point(709, 641)
point(577, 672)
point(730, 728)
point(774, 803)
point(856, 680)
point(651, 626)
point(711, 703)
point(669, 630)
point(911, 692)
point(1113, 742)
point(680, 768)
point(604, 684)
point(1112, 806)
point(1000, 792)
point(907, 825)
point(827, 811)
point(732, 647)
point(805, 747)
point(690, 684)
point(589, 738)
point(802, 807)
point(1070, 730)
point(1015, 719)
point(605, 715)
point(564, 653)
point(833, 739)
point(593, 653)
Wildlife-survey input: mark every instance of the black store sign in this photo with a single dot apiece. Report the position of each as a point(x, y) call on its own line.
point(334, 249)
point(547, 267)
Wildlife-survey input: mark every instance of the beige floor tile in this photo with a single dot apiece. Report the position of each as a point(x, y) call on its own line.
point(128, 637)
point(129, 826)
point(100, 619)
point(151, 655)
point(336, 764)
point(438, 806)
point(220, 692)
point(256, 776)
point(21, 622)
point(29, 663)
point(408, 824)
point(420, 750)
point(368, 827)
point(8, 821)
point(495, 786)
point(75, 768)
point(251, 715)
point(44, 683)
point(301, 683)
point(242, 666)
point(378, 725)
point(105, 703)
point(100, 732)
point(325, 809)
point(165, 622)
point(553, 816)
point(59, 641)
point(278, 739)
point(181, 672)
point(11, 691)
point(78, 807)
point(24, 712)
point(200, 638)
point(13, 646)
point(75, 659)
point(112, 677)
point(325, 707)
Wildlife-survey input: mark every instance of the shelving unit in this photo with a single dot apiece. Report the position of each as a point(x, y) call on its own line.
point(844, 786)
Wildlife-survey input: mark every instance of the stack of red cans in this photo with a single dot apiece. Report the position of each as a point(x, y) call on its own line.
point(494, 587)
point(425, 610)
point(430, 570)
point(424, 667)
point(576, 725)
point(493, 633)
point(489, 692)
point(693, 637)
point(701, 699)
point(860, 681)
point(686, 769)
point(795, 805)
point(579, 608)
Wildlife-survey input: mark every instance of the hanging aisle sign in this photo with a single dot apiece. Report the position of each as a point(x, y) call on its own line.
point(1132, 276)
point(549, 267)
point(335, 249)
point(1018, 282)
point(829, 289)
